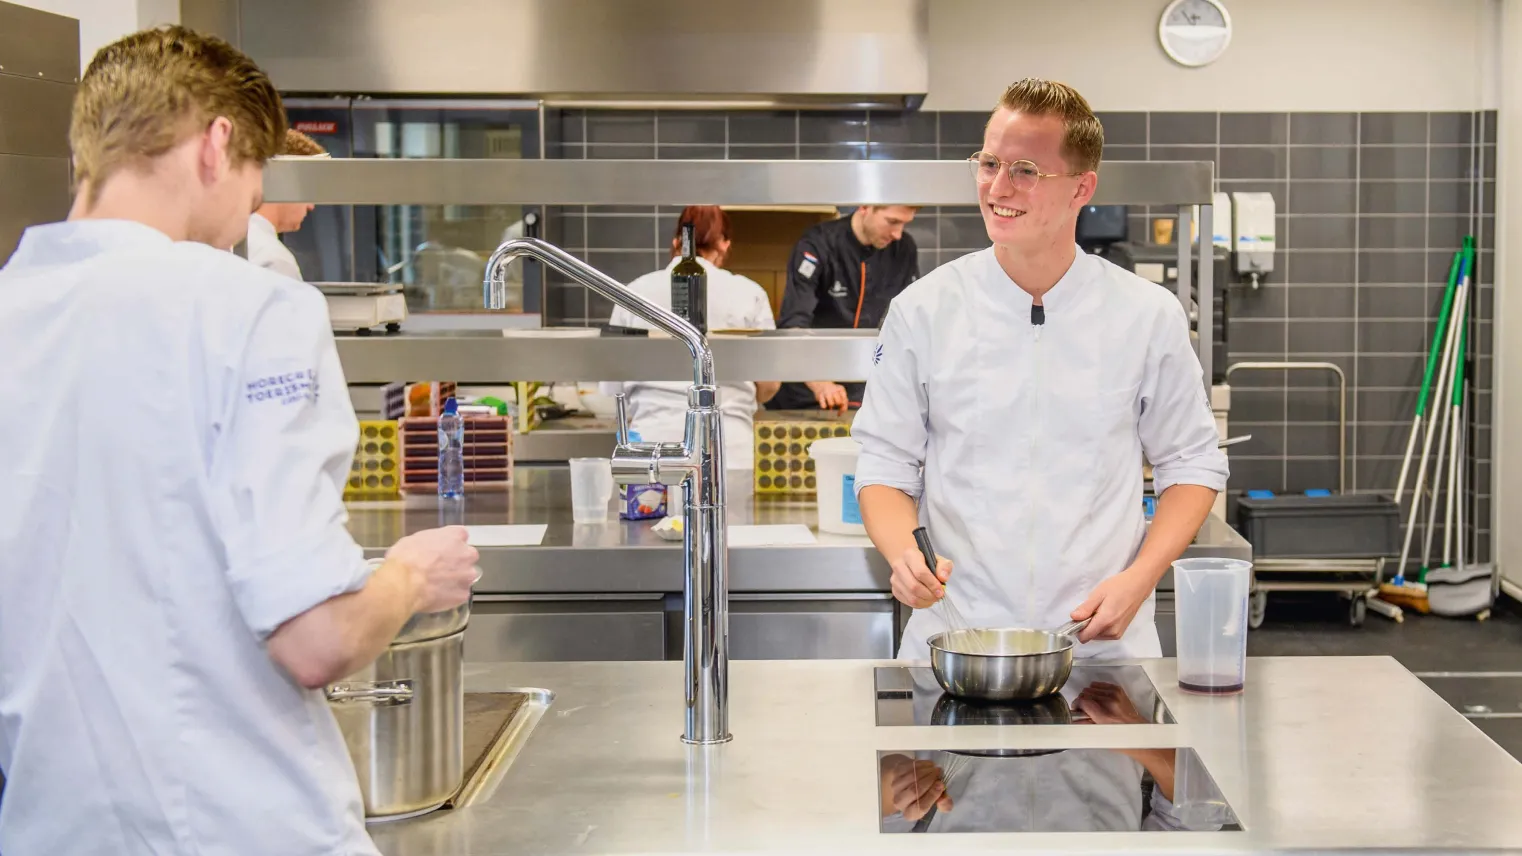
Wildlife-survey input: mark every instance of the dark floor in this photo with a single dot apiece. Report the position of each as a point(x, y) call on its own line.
point(1428, 645)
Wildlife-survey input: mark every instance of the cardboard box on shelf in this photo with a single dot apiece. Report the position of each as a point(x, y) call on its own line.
point(763, 241)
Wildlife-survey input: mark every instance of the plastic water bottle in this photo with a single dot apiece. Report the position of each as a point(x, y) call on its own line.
point(451, 452)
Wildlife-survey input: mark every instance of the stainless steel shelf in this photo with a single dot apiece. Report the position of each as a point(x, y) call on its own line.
point(563, 444)
point(490, 357)
point(424, 181)
point(626, 557)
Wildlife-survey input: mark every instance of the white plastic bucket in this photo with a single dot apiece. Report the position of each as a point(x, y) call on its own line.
point(835, 470)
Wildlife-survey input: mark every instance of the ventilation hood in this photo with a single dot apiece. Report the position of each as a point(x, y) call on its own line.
point(608, 53)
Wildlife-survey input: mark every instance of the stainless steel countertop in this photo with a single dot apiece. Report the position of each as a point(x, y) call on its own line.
point(625, 556)
point(1320, 753)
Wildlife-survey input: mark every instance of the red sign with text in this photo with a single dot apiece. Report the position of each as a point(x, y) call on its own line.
point(316, 127)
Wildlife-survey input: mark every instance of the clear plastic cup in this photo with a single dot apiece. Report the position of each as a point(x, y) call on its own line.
point(591, 489)
point(1210, 622)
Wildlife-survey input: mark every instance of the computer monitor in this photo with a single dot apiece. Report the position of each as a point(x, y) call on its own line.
point(1101, 224)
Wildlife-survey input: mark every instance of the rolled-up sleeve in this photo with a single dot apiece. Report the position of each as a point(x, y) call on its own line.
point(282, 456)
point(891, 426)
point(1178, 432)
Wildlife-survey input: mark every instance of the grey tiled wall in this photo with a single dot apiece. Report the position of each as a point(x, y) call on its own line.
point(1371, 207)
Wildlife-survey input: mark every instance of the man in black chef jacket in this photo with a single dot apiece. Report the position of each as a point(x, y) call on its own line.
point(842, 275)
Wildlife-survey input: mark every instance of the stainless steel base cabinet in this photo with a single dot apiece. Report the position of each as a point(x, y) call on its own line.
point(560, 628)
point(1165, 619)
point(811, 627)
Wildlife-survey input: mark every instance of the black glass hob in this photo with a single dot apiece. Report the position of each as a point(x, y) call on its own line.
point(1095, 694)
point(1054, 790)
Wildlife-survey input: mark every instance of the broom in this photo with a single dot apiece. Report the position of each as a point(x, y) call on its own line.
point(1399, 591)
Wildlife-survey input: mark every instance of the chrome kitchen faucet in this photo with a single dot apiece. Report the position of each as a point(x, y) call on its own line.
point(697, 461)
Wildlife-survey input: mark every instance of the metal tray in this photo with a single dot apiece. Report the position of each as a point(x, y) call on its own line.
point(358, 289)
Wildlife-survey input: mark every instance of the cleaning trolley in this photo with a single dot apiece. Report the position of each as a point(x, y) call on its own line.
point(1318, 541)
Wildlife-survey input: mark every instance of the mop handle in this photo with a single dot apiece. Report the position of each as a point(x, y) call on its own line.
point(1458, 358)
point(1438, 338)
point(1421, 468)
point(1452, 426)
point(1437, 333)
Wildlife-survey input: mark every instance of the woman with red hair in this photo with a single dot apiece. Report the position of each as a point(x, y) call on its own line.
point(658, 410)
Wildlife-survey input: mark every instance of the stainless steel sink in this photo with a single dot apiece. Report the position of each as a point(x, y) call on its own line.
point(484, 775)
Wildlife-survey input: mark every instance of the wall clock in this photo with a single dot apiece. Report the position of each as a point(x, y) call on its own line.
point(1194, 32)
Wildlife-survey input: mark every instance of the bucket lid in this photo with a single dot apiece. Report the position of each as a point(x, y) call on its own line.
point(433, 625)
point(424, 626)
point(834, 446)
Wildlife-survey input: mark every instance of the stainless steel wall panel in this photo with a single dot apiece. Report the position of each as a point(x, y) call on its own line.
point(216, 17)
point(592, 47)
point(363, 181)
point(39, 65)
point(34, 117)
point(38, 45)
point(32, 190)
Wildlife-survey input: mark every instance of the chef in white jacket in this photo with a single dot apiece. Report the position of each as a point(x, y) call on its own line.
point(1015, 393)
point(178, 582)
point(266, 225)
point(658, 409)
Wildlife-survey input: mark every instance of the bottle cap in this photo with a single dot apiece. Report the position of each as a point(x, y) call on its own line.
point(451, 407)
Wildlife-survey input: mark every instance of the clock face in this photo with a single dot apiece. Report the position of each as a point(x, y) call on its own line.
point(1195, 32)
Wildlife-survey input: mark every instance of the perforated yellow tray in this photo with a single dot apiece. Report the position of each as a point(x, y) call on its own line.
point(377, 469)
point(783, 465)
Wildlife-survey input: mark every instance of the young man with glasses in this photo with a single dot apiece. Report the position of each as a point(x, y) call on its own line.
point(1015, 394)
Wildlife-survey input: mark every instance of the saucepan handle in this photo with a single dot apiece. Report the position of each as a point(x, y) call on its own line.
point(379, 693)
point(1072, 628)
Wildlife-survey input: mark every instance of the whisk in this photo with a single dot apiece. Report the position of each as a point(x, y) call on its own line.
point(961, 633)
point(954, 765)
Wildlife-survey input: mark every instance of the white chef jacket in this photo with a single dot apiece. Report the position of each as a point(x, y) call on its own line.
point(173, 494)
point(1024, 443)
point(658, 410)
point(266, 250)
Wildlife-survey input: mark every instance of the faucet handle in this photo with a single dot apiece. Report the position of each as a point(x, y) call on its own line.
point(621, 431)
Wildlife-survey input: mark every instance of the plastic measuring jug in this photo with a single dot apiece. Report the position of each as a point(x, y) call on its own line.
point(591, 489)
point(1211, 623)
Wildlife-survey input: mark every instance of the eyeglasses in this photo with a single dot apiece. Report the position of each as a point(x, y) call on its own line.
point(1023, 174)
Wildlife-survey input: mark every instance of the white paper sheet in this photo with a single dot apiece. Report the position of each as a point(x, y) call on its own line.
point(518, 535)
point(770, 536)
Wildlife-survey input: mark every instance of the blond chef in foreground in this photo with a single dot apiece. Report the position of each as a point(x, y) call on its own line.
point(1015, 394)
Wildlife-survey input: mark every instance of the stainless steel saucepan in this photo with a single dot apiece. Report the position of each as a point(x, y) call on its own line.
point(1004, 664)
point(1048, 710)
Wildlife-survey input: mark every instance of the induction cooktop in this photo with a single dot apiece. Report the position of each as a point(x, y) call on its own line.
point(1057, 790)
point(1095, 693)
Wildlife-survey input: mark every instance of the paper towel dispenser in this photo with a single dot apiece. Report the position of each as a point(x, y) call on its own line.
point(1253, 238)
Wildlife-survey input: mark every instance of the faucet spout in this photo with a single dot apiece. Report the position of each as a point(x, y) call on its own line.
point(697, 462)
point(494, 290)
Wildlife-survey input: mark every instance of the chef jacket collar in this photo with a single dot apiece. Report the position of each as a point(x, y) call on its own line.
point(73, 240)
point(1067, 289)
